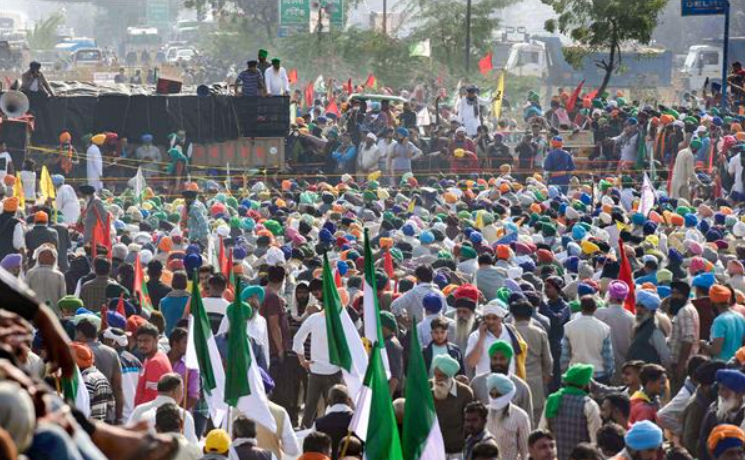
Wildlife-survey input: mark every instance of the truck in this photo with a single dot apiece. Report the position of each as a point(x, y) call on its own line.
point(540, 56)
point(704, 61)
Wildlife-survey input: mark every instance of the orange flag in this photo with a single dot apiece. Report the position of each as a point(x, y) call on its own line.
point(292, 76)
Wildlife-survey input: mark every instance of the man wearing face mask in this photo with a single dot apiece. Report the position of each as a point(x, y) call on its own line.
point(728, 407)
point(509, 424)
point(500, 358)
point(683, 340)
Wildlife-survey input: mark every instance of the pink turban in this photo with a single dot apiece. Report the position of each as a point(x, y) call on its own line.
point(618, 290)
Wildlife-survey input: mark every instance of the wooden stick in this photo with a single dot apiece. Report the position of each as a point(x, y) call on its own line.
point(346, 444)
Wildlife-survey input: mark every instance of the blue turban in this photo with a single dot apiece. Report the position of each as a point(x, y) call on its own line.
point(432, 303)
point(239, 252)
point(528, 266)
point(674, 256)
point(703, 226)
point(402, 132)
point(579, 232)
point(251, 291)
point(476, 237)
point(731, 379)
point(691, 220)
point(192, 261)
point(116, 320)
point(427, 237)
point(408, 230)
point(644, 435)
point(147, 138)
point(648, 299)
point(638, 218)
point(501, 383)
point(649, 228)
point(719, 218)
point(572, 264)
point(632, 121)
point(584, 289)
point(193, 249)
point(704, 280)
point(441, 280)
point(58, 179)
point(446, 364)
point(325, 236)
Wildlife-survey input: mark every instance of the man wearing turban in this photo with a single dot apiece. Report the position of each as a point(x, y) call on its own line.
point(621, 322)
point(149, 155)
point(571, 415)
point(102, 401)
point(726, 442)
point(501, 356)
point(728, 328)
point(643, 442)
point(509, 424)
point(728, 408)
point(451, 398)
point(648, 343)
point(694, 413)
point(94, 161)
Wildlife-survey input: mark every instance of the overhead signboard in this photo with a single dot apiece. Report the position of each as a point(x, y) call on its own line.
point(295, 16)
point(703, 7)
point(157, 13)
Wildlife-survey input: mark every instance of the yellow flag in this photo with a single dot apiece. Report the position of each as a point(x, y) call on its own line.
point(480, 220)
point(47, 186)
point(412, 204)
point(499, 96)
point(18, 193)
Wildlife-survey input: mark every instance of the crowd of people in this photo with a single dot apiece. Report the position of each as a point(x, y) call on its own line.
point(560, 315)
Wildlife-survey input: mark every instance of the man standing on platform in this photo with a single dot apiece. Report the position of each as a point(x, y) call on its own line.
point(275, 77)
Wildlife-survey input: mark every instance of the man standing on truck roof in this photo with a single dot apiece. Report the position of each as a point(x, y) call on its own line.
point(34, 85)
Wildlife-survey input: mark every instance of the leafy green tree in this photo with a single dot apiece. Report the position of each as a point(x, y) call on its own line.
point(604, 25)
point(44, 34)
point(443, 22)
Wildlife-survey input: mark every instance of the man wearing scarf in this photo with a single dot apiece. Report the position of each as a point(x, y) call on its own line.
point(451, 398)
point(470, 111)
point(571, 414)
point(501, 356)
point(509, 424)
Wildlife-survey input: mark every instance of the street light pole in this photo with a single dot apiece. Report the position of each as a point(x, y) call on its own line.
point(468, 36)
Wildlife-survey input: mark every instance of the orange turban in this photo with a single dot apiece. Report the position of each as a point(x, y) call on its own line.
point(83, 355)
point(10, 204)
point(720, 294)
point(725, 437)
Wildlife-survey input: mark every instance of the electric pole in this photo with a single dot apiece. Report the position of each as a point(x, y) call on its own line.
point(385, 17)
point(468, 36)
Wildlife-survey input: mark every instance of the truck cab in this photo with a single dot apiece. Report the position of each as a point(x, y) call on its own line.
point(702, 62)
point(87, 57)
point(527, 59)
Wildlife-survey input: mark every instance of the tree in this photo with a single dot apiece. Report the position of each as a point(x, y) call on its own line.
point(605, 25)
point(443, 22)
point(44, 34)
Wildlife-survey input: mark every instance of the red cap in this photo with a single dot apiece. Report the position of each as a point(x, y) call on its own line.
point(133, 323)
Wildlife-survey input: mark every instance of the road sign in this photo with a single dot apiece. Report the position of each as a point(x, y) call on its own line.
point(157, 12)
point(296, 15)
point(702, 7)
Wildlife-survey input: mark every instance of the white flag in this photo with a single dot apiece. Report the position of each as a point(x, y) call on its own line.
point(649, 196)
point(421, 49)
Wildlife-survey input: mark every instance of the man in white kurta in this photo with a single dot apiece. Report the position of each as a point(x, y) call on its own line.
point(94, 165)
point(68, 205)
point(684, 171)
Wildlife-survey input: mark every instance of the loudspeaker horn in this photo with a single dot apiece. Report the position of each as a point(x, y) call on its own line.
point(14, 104)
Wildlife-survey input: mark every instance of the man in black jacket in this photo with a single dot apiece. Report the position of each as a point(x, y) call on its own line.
point(442, 345)
point(335, 422)
point(41, 233)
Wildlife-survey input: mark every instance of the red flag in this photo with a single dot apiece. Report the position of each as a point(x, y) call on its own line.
point(104, 317)
point(388, 263)
point(348, 86)
point(221, 258)
point(371, 82)
point(101, 234)
point(337, 279)
point(333, 108)
point(309, 94)
point(140, 287)
point(626, 276)
point(485, 64)
point(292, 76)
point(593, 94)
point(575, 95)
point(120, 306)
point(228, 267)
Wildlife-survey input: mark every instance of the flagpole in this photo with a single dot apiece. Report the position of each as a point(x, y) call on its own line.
point(347, 438)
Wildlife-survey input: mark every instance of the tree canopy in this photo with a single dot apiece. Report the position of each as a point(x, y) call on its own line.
point(605, 25)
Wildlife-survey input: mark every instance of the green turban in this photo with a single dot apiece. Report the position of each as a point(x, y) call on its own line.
point(578, 375)
point(604, 185)
point(232, 202)
point(251, 291)
point(263, 53)
point(388, 320)
point(69, 303)
point(503, 347)
point(447, 365)
point(397, 255)
point(548, 230)
point(174, 218)
point(235, 222)
point(467, 253)
point(274, 227)
point(503, 294)
point(575, 378)
point(696, 143)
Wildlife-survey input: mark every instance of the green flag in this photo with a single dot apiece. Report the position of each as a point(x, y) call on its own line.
point(422, 438)
point(339, 353)
point(374, 421)
point(239, 356)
